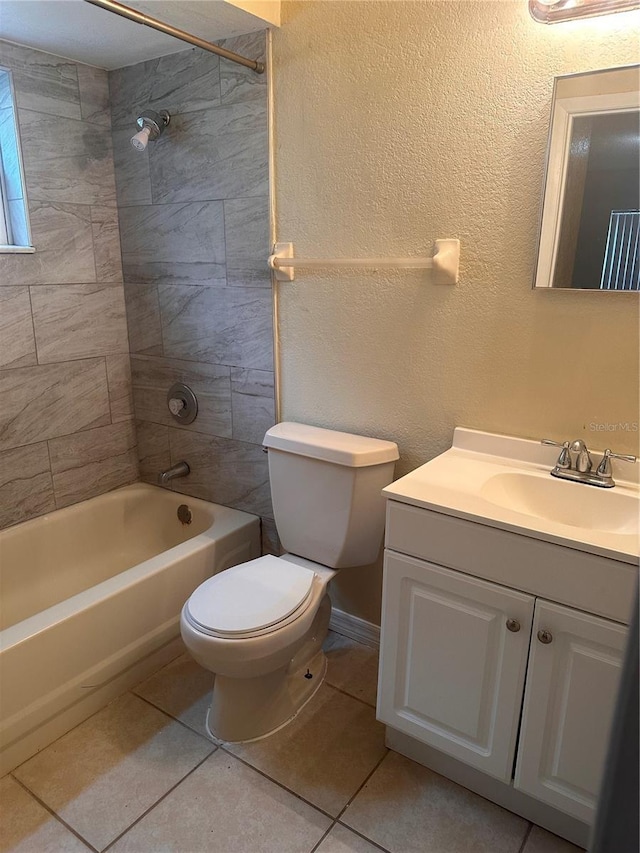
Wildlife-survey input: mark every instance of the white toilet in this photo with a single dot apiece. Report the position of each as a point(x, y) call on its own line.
point(260, 626)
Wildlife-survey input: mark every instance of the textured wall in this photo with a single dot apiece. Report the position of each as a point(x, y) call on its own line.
point(66, 428)
point(397, 123)
point(194, 224)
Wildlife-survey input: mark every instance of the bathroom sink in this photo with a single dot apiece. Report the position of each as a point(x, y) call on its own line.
point(563, 502)
point(505, 482)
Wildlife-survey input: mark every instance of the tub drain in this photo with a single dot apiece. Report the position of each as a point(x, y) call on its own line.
point(184, 514)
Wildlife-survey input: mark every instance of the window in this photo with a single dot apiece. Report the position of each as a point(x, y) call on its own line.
point(556, 11)
point(14, 222)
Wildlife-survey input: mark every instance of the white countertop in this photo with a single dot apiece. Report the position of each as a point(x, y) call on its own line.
point(466, 482)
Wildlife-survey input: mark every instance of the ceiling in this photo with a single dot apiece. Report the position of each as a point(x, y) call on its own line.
point(85, 33)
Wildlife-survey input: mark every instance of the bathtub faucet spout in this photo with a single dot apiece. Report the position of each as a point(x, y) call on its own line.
point(180, 469)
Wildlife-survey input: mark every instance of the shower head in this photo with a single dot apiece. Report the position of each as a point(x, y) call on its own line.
point(151, 125)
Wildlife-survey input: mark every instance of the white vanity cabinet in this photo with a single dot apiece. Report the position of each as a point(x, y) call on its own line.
point(480, 663)
point(453, 661)
point(572, 680)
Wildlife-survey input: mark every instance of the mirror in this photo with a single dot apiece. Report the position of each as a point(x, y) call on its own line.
point(590, 225)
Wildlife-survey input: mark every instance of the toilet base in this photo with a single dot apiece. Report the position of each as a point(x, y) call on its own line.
point(247, 709)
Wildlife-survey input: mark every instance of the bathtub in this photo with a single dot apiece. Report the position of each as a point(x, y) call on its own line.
point(90, 600)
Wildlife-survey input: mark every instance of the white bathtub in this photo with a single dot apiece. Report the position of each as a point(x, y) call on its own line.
point(90, 600)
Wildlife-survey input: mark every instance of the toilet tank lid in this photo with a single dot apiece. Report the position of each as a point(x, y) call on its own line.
point(342, 448)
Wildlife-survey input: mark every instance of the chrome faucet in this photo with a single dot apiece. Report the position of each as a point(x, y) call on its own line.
point(582, 472)
point(180, 469)
point(583, 459)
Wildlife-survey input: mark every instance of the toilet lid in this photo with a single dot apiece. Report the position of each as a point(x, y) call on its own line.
point(250, 597)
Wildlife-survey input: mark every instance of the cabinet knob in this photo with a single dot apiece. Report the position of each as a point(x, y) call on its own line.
point(545, 637)
point(513, 625)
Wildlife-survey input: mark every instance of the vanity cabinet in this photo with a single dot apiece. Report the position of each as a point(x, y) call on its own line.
point(452, 672)
point(500, 679)
point(570, 693)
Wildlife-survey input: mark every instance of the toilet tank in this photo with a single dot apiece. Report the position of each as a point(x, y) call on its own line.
point(326, 490)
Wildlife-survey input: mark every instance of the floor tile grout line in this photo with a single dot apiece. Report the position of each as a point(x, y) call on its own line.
point(369, 775)
point(322, 838)
point(55, 815)
point(279, 784)
point(176, 720)
point(221, 745)
point(364, 837)
point(350, 695)
point(158, 801)
point(526, 838)
point(64, 734)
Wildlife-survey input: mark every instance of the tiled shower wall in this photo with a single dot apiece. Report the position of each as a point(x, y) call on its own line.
point(194, 225)
point(66, 428)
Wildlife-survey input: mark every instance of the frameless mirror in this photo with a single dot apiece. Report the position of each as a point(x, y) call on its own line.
point(590, 224)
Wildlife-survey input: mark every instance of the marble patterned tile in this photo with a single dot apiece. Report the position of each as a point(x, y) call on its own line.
point(226, 807)
point(26, 489)
point(120, 390)
point(106, 773)
point(541, 841)
point(220, 325)
point(143, 318)
point(92, 462)
point(133, 180)
point(270, 539)
point(324, 763)
point(343, 840)
point(181, 689)
point(17, 344)
point(27, 827)
point(79, 320)
point(50, 400)
point(224, 471)
point(194, 273)
point(106, 242)
point(253, 403)
point(93, 84)
point(237, 83)
point(42, 82)
point(184, 240)
point(180, 83)
point(154, 454)
point(66, 160)
point(63, 239)
point(247, 238)
point(152, 378)
point(352, 667)
point(406, 807)
point(212, 154)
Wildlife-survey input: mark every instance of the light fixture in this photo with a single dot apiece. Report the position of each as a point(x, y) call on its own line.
point(151, 125)
point(556, 11)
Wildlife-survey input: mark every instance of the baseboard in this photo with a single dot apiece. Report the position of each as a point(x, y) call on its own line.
point(355, 628)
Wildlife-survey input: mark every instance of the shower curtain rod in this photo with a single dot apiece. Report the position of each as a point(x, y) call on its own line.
point(155, 24)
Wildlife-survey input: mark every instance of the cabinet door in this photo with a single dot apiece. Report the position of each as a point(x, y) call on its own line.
point(569, 700)
point(451, 671)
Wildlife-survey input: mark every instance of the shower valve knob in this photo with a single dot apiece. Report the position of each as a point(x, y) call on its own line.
point(182, 403)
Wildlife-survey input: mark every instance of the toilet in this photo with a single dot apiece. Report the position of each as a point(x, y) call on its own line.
point(259, 626)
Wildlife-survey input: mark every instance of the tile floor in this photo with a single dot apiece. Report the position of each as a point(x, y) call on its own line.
point(140, 776)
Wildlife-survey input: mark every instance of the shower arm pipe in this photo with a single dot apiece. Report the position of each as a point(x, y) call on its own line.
point(445, 262)
point(155, 24)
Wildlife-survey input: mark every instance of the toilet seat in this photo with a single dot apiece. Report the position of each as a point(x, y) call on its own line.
point(251, 599)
